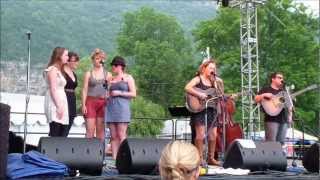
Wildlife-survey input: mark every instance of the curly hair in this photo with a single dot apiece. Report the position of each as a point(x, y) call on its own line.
point(98, 52)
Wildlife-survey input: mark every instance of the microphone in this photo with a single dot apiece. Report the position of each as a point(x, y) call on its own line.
point(28, 33)
point(102, 62)
point(284, 84)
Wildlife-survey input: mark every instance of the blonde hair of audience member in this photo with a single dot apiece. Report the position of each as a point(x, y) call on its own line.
point(179, 160)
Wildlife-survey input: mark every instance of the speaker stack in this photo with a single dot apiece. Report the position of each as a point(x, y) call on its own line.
point(256, 156)
point(84, 154)
point(4, 138)
point(140, 156)
point(311, 159)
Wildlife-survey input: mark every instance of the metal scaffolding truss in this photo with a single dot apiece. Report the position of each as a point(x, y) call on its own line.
point(249, 65)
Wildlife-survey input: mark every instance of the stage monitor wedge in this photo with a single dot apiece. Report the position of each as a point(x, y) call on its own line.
point(311, 158)
point(256, 156)
point(84, 154)
point(140, 156)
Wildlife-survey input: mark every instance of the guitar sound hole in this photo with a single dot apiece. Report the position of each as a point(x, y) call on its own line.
point(282, 100)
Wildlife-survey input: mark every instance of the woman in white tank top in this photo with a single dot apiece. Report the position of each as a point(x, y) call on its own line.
point(56, 104)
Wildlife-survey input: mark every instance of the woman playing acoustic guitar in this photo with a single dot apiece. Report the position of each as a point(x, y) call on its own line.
point(203, 86)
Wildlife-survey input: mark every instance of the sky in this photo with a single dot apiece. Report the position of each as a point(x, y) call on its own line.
point(311, 4)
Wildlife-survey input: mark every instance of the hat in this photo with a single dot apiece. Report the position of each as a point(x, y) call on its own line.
point(118, 60)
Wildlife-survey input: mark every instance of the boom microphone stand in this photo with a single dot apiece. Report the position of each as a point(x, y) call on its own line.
point(27, 93)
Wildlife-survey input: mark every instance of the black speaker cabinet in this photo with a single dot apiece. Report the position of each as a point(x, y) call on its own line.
point(4, 138)
point(311, 159)
point(256, 156)
point(139, 156)
point(84, 154)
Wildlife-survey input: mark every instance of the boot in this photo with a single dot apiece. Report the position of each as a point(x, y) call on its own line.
point(199, 146)
point(212, 149)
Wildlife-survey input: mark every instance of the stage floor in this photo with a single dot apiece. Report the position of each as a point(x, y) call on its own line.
point(293, 173)
point(267, 175)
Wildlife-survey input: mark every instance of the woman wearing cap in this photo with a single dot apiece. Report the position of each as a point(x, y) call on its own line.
point(122, 89)
point(93, 96)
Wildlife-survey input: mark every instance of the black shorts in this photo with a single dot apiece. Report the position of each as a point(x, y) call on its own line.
point(199, 118)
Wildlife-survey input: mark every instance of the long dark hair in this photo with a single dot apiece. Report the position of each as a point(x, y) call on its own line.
point(56, 56)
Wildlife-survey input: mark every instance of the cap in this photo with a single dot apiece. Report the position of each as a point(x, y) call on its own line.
point(118, 60)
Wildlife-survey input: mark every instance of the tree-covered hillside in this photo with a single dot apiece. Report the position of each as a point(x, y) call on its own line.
point(81, 25)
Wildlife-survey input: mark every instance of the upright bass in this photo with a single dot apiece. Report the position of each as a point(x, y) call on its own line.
point(232, 129)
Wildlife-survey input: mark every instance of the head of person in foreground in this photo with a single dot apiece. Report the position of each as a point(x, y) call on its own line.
point(179, 160)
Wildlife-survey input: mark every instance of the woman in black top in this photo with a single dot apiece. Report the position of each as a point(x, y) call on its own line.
point(204, 80)
point(72, 83)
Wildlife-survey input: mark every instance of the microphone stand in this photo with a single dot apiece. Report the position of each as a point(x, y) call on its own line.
point(27, 93)
point(106, 87)
point(294, 164)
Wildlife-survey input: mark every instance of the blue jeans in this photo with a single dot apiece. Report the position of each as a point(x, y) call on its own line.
point(275, 131)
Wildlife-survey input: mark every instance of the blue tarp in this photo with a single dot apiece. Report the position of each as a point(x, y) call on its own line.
point(33, 163)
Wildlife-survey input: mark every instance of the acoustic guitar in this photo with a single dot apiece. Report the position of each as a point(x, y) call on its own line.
point(194, 104)
point(275, 104)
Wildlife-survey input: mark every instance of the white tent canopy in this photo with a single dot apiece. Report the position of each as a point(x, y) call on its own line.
point(296, 134)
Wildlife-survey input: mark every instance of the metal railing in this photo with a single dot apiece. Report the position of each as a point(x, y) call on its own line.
point(174, 122)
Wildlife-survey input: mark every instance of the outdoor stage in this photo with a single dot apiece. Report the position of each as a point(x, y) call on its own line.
point(292, 173)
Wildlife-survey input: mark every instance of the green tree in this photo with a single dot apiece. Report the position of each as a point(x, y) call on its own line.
point(287, 43)
point(221, 34)
point(148, 118)
point(156, 47)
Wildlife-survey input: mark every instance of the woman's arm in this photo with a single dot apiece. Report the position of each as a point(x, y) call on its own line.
point(85, 92)
point(189, 88)
point(132, 88)
point(52, 79)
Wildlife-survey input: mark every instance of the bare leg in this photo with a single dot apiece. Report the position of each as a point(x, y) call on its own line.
point(100, 128)
point(90, 127)
point(212, 136)
point(200, 134)
point(212, 133)
point(114, 140)
point(122, 131)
